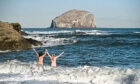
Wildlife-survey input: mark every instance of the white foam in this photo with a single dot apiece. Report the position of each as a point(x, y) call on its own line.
point(93, 32)
point(87, 32)
point(5, 51)
point(18, 72)
point(51, 41)
point(47, 32)
point(137, 32)
point(97, 32)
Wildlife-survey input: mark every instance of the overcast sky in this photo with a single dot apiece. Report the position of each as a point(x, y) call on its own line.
point(39, 13)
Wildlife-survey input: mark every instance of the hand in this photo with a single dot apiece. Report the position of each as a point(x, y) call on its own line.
point(63, 52)
point(33, 48)
point(46, 49)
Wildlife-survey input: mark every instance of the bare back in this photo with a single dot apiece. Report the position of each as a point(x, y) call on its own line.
point(40, 60)
point(53, 58)
point(53, 61)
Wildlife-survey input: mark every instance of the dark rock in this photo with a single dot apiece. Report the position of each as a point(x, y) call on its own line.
point(11, 39)
point(23, 33)
point(16, 26)
point(34, 42)
point(74, 19)
point(79, 33)
point(14, 45)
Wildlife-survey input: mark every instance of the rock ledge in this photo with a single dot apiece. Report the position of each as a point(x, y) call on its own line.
point(11, 38)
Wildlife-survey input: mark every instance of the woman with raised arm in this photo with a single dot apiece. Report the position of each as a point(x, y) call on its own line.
point(40, 56)
point(53, 58)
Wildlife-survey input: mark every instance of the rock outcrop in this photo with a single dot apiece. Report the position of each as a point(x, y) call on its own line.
point(10, 37)
point(74, 19)
point(16, 26)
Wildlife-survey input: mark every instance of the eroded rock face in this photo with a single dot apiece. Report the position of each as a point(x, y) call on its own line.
point(74, 19)
point(10, 37)
point(16, 26)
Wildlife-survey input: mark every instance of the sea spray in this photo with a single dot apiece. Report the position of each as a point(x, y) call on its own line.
point(21, 71)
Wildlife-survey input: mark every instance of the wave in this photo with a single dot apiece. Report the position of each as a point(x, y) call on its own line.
point(5, 51)
point(47, 32)
point(16, 72)
point(82, 32)
point(92, 32)
point(51, 41)
point(137, 32)
point(64, 37)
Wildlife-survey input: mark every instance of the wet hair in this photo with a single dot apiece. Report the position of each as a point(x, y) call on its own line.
point(40, 54)
point(53, 54)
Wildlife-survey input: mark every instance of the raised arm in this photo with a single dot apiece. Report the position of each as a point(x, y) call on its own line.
point(48, 53)
point(60, 54)
point(45, 53)
point(36, 52)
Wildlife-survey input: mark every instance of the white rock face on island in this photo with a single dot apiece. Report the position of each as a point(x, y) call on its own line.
point(74, 19)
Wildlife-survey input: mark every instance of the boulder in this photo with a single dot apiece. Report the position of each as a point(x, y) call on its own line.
point(16, 26)
point(23, 33)
point(74, 19)
point(34, 42)
point(11, 39)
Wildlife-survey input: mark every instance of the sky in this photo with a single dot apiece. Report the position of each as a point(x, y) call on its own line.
point(39, 13)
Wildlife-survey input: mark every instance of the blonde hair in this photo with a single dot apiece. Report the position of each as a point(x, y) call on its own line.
point(53, 54)
point(52, 57)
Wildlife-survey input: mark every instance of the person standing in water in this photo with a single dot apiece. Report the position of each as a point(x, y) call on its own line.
point(40, 56)
point(53, 58)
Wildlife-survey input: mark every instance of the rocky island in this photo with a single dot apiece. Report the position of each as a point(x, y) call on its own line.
point(74, 19)
point(11, 38)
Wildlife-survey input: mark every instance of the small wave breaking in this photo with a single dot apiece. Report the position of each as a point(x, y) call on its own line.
point(16, 72)
point(5, 51)
point(137, 32)
point(51, 41)
point(49, 38)
point(82, 32)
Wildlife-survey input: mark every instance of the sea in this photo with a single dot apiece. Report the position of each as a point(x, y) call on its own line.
point(91, 56)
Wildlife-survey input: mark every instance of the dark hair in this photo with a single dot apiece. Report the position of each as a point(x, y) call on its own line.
point(40, 54)
point(53, 54)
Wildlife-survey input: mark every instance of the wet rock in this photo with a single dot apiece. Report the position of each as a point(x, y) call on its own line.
point(11, 39)
point(16, 26)
point(23, 33)
point(79, 33)
point(34, 42)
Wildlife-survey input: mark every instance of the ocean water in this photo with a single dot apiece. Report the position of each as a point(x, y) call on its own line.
point(92, 56)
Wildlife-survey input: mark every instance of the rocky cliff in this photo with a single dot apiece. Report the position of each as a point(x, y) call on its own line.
point(11, 39)
point(74, 19)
